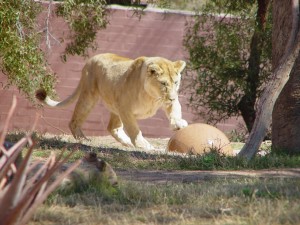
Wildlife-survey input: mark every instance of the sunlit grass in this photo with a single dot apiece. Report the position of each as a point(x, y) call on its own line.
point(242, 201)
point(208, 201)
point(120, 157)
point(181, 4)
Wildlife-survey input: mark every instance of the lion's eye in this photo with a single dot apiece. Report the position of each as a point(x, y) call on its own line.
point(163, 83)
point(152, 71)
point(176, 82)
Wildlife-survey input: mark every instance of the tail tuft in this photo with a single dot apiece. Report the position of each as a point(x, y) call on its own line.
point(41, 94)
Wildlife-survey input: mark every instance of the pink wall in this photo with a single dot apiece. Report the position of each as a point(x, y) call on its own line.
point(154, 34)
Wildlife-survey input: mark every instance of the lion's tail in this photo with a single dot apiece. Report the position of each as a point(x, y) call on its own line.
point(43, 97)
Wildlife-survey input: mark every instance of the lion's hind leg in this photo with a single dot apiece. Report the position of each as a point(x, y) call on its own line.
point(115, 127)
point(83, 107)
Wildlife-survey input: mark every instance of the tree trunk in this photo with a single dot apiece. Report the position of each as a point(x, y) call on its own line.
point(247, 104)
point(281, 74)
point(247, 108)
point(286, 113)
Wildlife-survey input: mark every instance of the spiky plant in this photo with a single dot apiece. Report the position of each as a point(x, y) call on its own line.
point(20, 195)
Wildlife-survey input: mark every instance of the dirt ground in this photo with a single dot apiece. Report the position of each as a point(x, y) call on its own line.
point(161, 177)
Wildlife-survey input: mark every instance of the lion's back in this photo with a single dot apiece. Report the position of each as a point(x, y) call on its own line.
point(107, 67)
point(110, 61)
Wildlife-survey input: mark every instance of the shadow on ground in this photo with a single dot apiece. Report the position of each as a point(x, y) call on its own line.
point(103, 146)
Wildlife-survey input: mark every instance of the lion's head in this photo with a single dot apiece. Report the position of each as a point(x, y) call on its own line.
point(163, 78)
point(99, 169)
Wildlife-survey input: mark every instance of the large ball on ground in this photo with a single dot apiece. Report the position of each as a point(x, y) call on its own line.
point(199, 138)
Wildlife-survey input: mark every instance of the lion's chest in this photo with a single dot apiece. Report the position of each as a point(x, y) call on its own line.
point(143, 110)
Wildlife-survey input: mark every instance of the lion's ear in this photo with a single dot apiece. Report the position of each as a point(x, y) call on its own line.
point(154, 69)
point(101, 165)
point(179, 65)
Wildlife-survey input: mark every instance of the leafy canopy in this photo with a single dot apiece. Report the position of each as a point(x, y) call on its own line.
point(218, 42)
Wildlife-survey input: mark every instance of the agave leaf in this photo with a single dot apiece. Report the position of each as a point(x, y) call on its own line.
point(27, 215)
point(26, 195)
point(38, 177)
point(7, 121)
point(49, 172)
point(19, 199)
point(10, 156)
point(28, 203)
point(39, 173)
point(10, 202)
point(30, 170)
point(7, 160)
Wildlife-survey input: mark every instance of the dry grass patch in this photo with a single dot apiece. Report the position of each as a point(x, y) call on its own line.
point(211, 200)
point(242, 201)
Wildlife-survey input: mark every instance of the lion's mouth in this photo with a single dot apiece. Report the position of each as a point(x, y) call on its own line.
point(168, 101)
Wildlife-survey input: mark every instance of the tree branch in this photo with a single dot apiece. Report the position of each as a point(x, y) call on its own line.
point(47, 28)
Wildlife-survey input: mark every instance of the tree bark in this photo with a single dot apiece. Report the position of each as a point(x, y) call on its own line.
point(286, 113)
point(280, 76)
point(247, 108)
point(247, 103)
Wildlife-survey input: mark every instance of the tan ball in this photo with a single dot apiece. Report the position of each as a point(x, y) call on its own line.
point(199, 138)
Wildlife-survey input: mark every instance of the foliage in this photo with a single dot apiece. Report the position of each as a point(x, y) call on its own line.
point(218, 42)
point(20, 195)
point(85, 18)
point(21, 57)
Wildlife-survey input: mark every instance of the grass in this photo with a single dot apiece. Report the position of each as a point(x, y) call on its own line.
point(208, 201)
point(181, 4)
point(120, 157)
point(242, 201)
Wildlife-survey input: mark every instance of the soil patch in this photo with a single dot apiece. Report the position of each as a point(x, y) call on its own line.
point(159, 176)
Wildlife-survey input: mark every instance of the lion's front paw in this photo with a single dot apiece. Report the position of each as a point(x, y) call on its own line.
point(178, 124)
point(143, 143)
